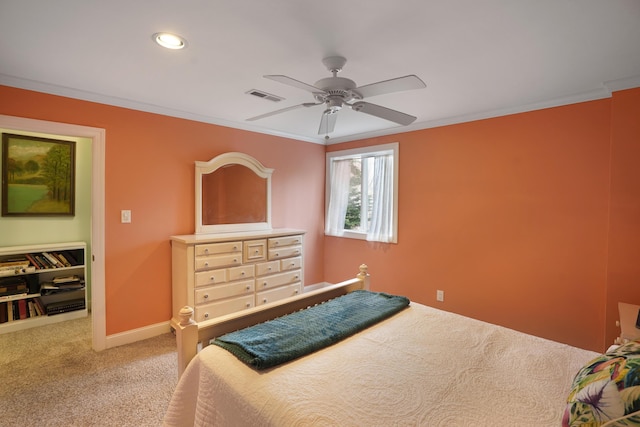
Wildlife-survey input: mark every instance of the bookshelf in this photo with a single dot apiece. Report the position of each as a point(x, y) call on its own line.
point(42, 284)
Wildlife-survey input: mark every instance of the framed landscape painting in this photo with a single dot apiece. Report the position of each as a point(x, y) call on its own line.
point(38, 176)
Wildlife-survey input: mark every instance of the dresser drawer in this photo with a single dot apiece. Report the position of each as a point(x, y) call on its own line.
point(285, 252)
point(242, 272)
point(217, 248)
point(217, 261)
point(210, 277)
point(277, 242)
point(272, 295)
point(267, 268)
point(277, 280)
point(255, 250)
point(227, 290)
point(290, 263)
point(209, 311)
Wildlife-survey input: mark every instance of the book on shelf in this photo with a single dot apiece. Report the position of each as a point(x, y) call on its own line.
point(22, 308)
point(64, 284)
point(4, 313)
point(13, 285)
point(14, 261)
point(30, 262)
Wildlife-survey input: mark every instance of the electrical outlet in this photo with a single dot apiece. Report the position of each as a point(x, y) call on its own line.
point(439, 295)
point(125, 216)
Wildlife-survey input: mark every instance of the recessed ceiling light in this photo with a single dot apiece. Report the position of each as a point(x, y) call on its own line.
point(170, 41)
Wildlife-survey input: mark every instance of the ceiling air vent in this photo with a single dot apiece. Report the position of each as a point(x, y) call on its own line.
point(265, 95)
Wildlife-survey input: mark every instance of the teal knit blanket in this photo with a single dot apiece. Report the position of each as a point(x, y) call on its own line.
point(280, 340)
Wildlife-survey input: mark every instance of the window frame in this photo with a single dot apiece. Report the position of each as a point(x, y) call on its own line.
point(369, 151)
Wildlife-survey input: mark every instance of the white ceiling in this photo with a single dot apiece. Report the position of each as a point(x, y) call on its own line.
point(478, 58)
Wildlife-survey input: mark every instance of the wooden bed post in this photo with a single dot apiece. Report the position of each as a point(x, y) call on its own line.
point(364, 275)
point(186, 338)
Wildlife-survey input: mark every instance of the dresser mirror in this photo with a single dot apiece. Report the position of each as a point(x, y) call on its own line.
point(233, 193)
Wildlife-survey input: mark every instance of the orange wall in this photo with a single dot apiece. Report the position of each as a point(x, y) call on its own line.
point(623, 278)
point(150, 170)
point(508, 216)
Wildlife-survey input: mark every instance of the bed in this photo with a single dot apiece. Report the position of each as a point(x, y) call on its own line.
point(419, 366)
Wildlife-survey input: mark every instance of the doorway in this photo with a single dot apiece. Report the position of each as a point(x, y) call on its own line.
point(97, 137)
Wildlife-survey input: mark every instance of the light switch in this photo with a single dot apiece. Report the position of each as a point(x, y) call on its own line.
point(125, 216)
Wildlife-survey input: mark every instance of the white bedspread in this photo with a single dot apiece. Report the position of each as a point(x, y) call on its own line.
point(422, 367)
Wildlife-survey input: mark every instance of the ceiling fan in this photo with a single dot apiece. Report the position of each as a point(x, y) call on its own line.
point(337, 92)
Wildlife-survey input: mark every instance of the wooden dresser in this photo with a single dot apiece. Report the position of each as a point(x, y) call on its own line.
point(219, 274)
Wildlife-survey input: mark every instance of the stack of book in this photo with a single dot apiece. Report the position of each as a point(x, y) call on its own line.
point(62, 294)
point(16, 264)
point(61, 284)
point(14, 285)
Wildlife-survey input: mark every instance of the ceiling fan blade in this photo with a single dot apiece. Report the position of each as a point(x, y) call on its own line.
point(293, 82)
point(383, 112)
point(327, 123)
point(282, 110)
point(388, 86)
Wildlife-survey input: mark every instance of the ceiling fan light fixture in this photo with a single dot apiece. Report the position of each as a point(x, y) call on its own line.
point(170, 41)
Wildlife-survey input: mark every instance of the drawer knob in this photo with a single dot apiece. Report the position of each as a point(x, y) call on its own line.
point(212, 279)
point(235, 248)
point(206, 296)
point(206, 250)
point(248, 304)
point(264, 300)
point(296, 291)
point(248, 287)
point(269, 268)
point(257, 251)
point(206, 315)
point(277, 254)
point(235, 260)
point(264, 284)
point(243, 273)
point(206, 264)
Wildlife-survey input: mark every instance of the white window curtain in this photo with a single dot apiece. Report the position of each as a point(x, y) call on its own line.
point(381, 229)
point(339, 197)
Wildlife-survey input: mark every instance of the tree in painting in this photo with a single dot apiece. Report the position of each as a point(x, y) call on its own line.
point(38, 176)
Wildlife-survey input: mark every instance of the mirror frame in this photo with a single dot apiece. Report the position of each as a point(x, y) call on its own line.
point(233, 158)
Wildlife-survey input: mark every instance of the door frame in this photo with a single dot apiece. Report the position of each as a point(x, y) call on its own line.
point(98, 142)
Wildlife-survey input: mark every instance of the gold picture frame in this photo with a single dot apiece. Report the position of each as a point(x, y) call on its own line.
point(38, 176)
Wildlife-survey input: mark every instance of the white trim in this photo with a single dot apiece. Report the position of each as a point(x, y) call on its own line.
point(232, 158)
point(490, 114)
point(68, 92)
point(138, 334)
point(372, 150)
point(598, 93)
point(98, 139)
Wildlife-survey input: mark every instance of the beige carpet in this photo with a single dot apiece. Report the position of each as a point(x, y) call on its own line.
point(50, 376)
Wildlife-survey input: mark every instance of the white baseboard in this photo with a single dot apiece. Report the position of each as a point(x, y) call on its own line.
point(139, 334)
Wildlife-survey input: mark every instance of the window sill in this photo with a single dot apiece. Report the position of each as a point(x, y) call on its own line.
point(358, 236)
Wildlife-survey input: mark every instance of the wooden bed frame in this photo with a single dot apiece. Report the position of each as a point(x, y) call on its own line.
point(189, 334)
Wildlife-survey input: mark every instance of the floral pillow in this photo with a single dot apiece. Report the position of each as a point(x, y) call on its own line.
point(607, 390)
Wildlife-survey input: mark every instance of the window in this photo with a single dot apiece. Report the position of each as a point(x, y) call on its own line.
point(362, 193)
